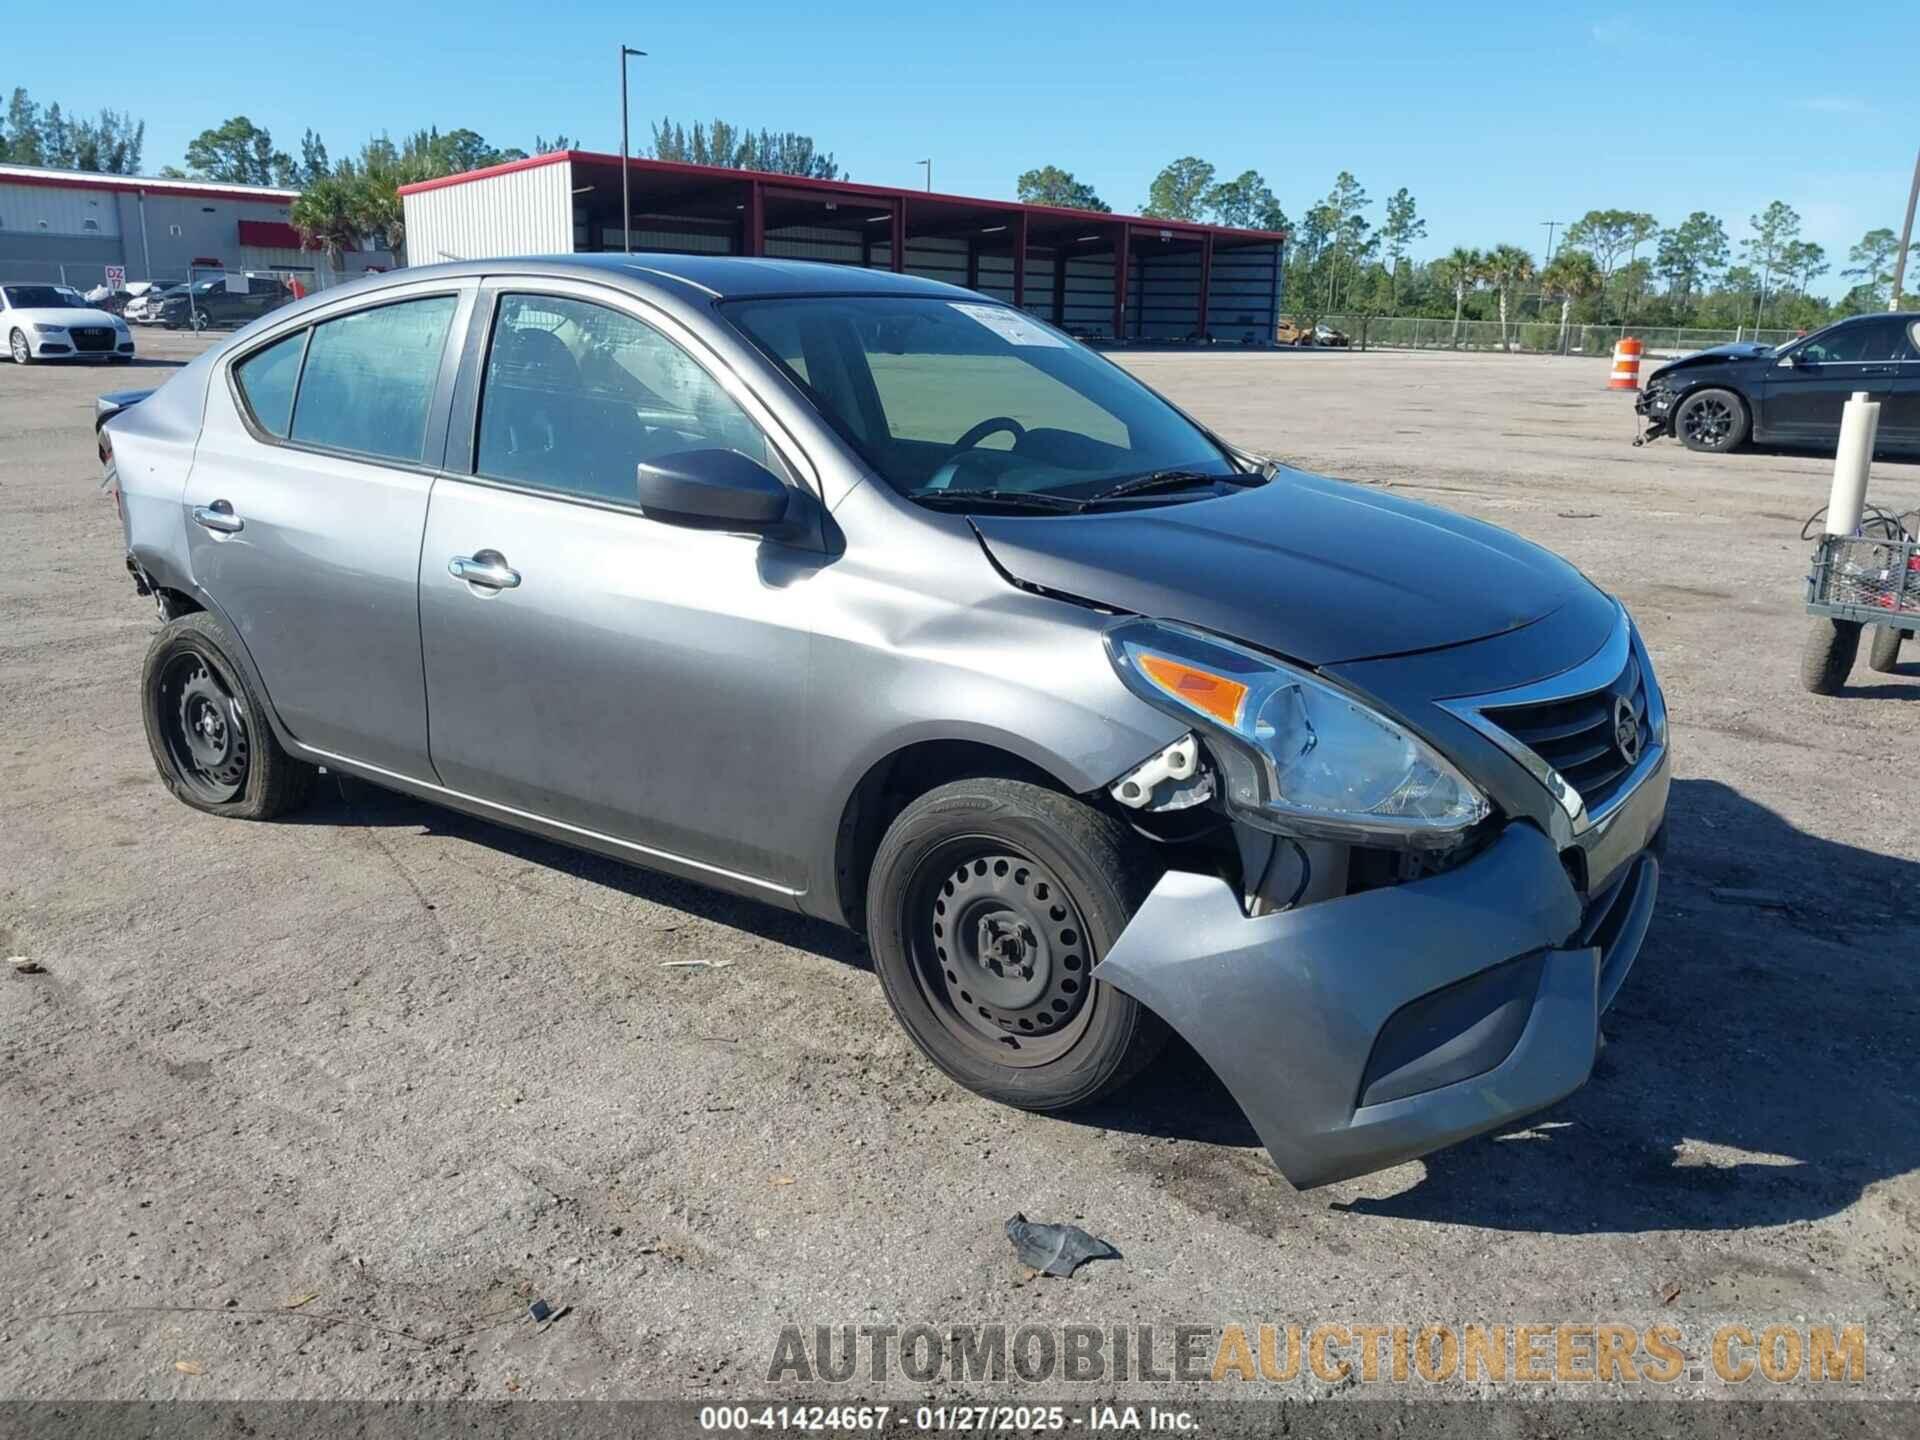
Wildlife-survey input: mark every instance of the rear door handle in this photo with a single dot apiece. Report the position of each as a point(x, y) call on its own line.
point(218, 516)
point(486, 568)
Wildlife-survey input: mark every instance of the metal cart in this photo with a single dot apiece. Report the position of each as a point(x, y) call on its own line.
point(1861, 580)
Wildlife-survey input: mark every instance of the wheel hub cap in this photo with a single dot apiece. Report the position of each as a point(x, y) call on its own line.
point(1010, 947)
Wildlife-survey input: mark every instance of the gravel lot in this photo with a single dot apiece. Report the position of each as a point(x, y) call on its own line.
point(422, 1069)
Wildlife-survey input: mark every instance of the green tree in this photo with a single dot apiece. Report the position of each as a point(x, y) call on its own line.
point(1508, 268)
point(1774, 229)
point(56, 139)
point(1461, 269)
point(1401, 228)
point(1802, 263)
point(1873, 265)
point(1179, 191)
point(24, 144)
point(1607, 235)
point(783, 152)
point(329, 213)
point(1050, 185)
point(1243, 202)
point(1691, 254)
point(240, 153)
point(1571, 275)
point(314, 166)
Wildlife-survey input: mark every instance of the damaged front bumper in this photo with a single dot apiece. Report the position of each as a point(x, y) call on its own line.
point(1655, 405)
point(1364, 1031)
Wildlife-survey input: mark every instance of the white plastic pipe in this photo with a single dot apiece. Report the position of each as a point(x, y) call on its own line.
point(1859, 423)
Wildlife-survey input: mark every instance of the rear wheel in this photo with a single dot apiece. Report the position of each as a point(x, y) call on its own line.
point(989, 904)
point(1827, 659)
point(208, 730)
point(1713, 421)
point(1883, 654)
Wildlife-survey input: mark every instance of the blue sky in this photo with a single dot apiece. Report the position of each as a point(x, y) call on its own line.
point(1496, 121)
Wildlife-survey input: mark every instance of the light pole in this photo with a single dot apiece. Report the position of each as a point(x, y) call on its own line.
point(929, 165)
point(626, 178)
point(1906, 238)
point(1551, 226)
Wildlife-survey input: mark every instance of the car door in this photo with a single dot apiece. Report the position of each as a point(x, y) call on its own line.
point(600, 668)
point(305, 507)
point(1900, 410)
point(1804, 399)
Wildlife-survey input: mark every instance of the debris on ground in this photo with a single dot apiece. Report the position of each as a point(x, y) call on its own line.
point(783, 1179)
point(1055, 1249)
point(189, 1367)
point(294, 1302)
point(1670, 1293)
point(23, 966)
point(539, 1311)
point(1578, 514)
point(1759, 899)
point(695, 964)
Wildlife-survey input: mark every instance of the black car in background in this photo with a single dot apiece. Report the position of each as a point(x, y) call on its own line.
point(1791, 394)
point(216, 303)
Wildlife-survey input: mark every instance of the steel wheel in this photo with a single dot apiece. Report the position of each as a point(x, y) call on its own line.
point(999, 951)
point(205, 729)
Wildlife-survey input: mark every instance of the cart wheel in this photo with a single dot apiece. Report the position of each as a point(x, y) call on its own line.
point(1828, 655)
point(1884, 655)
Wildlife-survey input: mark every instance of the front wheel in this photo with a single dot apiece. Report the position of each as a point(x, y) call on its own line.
point(1828, 656)
point(208, 730)
point(1712, 421)
point(21, 351)
point(1884, 653)
point(989, 903)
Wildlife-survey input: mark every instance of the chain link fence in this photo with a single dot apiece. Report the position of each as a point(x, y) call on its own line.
point(1535, 337)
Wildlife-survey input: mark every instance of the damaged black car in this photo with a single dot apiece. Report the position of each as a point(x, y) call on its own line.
point(1791, 395)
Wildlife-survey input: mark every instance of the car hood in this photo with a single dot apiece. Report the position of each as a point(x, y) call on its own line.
point(66, 315)
point(1745, 350)
point(1317, 570)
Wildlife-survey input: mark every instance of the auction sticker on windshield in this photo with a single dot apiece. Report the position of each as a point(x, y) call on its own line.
point(1010, 325)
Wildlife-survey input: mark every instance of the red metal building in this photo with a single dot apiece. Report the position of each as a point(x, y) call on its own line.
point(1097, 275)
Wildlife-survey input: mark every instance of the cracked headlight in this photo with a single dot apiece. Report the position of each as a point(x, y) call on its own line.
point(1297, 753)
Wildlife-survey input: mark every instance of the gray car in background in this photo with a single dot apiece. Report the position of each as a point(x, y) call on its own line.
point(878, 599)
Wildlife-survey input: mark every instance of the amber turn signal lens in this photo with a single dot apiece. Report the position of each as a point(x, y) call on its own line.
point(1214, 694)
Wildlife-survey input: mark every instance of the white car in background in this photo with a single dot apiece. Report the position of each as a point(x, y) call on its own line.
point(144, 293)
point(48, 322)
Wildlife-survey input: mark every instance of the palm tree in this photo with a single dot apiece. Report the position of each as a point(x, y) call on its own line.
point(326, 214)
point(1573, 275)
point(1463, 267)
point(1508, 268)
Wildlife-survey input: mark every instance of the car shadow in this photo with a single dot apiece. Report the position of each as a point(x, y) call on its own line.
point(1760, 1060)
point(340, 800)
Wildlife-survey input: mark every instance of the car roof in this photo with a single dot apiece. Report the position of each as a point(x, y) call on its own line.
point(720, 277)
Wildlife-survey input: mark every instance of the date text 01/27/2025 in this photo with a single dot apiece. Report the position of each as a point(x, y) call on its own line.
point(839, 1418)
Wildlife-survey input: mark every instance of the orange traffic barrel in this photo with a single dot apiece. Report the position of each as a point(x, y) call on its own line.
point(1626, 364)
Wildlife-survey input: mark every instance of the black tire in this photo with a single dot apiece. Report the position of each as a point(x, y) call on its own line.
point(207, 727)
point(1883, 654)
point(21, 351)
point(1029, 888)
point(1711, 421)
point(1827, 659)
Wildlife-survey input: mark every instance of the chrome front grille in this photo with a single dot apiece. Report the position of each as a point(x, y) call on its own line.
point(1578, 736)
point(1589, 735)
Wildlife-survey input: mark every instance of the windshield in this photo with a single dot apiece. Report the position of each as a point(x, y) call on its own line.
point(960, 396)
point(40, 297)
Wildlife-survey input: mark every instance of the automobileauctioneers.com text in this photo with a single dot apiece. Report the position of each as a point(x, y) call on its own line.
point(1334, 1354)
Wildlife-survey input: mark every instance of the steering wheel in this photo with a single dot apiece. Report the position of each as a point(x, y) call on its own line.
point(990, 426)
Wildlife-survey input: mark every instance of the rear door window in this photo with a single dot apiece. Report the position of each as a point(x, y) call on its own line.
point(576, 395)
point(267, 377)
point(369, 379)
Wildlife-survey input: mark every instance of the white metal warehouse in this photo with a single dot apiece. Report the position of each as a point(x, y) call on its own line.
point(1097, 275)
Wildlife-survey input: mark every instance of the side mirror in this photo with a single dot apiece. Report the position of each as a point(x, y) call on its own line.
point(1785, 362)
point(714, 489)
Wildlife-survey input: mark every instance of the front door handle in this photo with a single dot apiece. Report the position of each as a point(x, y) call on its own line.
point(218, 516)
point(486, 568)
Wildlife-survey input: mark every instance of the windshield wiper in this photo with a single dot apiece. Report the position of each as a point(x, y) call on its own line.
point(1014, 499)
point(1160, 480)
